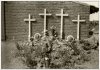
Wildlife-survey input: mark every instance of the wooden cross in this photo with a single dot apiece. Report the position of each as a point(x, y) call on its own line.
point(78, 25)
point(29, 20)
point(61, 15)
point(45, 15)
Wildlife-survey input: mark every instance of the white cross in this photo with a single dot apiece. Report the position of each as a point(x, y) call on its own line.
point(61, 15)
point(45, 15)
point(78, 25)
point(29, 20)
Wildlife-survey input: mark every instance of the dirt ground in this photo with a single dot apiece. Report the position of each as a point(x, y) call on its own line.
point(8, 61)
point(93, 63)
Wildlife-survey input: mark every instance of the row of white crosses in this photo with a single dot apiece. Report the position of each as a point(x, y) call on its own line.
point(62, 15)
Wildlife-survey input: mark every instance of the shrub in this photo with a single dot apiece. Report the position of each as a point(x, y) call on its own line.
point(61, 57)
point(35, 53)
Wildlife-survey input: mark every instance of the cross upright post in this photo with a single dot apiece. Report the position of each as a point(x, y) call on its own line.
point(78, 26)
point(29, 20)
point(62, 15)
point(45, 18)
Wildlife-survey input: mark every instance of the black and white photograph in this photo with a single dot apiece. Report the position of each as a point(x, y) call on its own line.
point(50, 34)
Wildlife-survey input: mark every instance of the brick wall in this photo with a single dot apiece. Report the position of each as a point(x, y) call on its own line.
point(16, 12)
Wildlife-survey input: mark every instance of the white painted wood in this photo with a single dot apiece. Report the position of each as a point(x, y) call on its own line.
point(29, 20)
point(45, 15)
point(62, 15)
point(78, 26)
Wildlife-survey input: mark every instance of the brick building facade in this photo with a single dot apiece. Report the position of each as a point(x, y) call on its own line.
point(15, 13)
